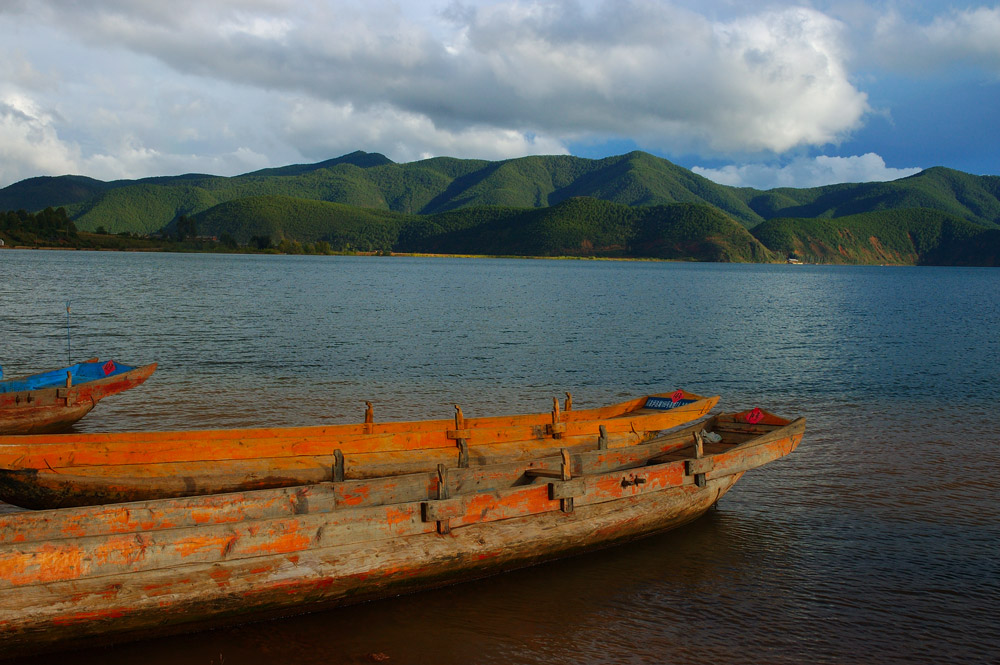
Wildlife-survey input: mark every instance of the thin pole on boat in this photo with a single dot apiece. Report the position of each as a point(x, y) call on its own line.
point(67, 334)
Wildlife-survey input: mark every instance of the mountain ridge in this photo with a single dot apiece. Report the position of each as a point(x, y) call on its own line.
point(440, 184)
point(370, 183)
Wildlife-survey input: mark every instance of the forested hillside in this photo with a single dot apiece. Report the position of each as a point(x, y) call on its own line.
point(923, 237)
point(576, 227)
point(627, 205)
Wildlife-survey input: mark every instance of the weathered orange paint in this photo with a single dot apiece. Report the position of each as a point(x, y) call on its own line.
point(281, 544)
point(492, 506)
point(47, 564)
point(358, 430)
point(221, 576)
point(136, 466)
point(120, 550)
point(288, 548)
point(192, 546)
point(395, 516)
point(356, 496)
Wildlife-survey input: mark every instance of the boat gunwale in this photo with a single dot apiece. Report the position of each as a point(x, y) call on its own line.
point(16, 451)
point(618, 410)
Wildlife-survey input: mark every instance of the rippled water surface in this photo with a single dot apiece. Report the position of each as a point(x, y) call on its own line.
point(878, 540)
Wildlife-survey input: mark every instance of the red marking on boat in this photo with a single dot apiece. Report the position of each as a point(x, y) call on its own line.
point(83, 617)
point(220, 575)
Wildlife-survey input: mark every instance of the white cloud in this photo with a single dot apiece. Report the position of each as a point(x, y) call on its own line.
point(133, 159)
point(30, 145)
point(806, 172)
point(483, 79)
point(29, 142)
point(255, 26)
point(960, 37)
point(401, 135)
point(141, 87)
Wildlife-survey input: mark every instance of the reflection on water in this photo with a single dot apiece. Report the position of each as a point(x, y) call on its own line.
point(875, 542)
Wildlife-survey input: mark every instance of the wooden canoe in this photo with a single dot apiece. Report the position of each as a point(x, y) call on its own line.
point(73, 576)
point(52, 401)
point(91, 469)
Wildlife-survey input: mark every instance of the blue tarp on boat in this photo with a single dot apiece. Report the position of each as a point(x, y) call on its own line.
point(81, 373)
point(666, 404)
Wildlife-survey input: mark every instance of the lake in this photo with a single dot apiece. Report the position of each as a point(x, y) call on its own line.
point(878, 540)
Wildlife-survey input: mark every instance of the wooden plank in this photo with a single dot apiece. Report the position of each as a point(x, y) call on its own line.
point(568, 489)
point(158, 515)
point(534, 499)
point(699, 466)
point(613, 486)
point(28, 454)
point(490, 506)
point(63, 486)
point(352, 429)
point(72, 450)
point(24, 564)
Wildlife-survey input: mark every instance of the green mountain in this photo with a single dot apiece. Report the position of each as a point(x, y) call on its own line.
point(590, 227)
point(575, 227)
point(442, 184)
point(918, 236)
point(465, 205)
point(36, 194)
point(373, 181)
point(973, 198)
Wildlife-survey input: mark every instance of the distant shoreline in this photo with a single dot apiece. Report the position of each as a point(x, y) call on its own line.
point(378, 254)
point(633, 259)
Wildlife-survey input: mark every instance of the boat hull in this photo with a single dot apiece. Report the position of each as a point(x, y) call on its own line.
point(77, 576)
point(184, 598)
point(47, 410)
point(94, 469)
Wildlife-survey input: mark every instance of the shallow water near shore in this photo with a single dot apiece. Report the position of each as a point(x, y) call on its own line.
point(876, 541)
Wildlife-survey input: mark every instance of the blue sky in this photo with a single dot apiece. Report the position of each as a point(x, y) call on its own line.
point(762, 94)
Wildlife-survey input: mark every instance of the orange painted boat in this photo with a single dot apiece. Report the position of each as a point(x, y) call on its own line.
point(90, 469)
point(71, 577)
point(52, 401)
